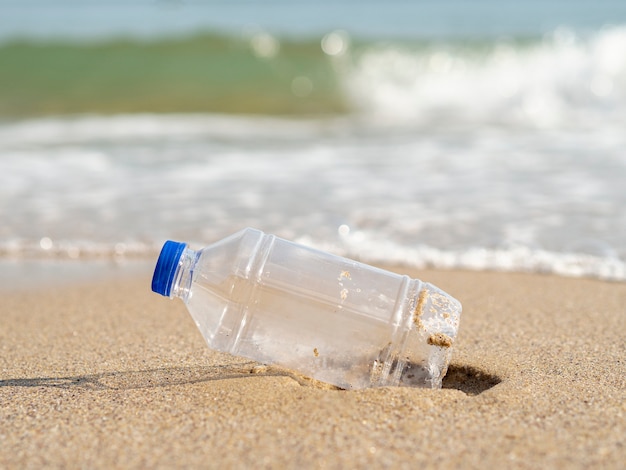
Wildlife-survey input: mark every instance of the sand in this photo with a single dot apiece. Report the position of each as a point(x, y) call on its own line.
point(108, 375)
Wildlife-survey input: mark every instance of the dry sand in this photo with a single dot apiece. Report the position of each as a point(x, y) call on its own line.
point(110, 375)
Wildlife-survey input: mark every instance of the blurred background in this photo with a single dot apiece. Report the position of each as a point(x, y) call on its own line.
point(475, 134)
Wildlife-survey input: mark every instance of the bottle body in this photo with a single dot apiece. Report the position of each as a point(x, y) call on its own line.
point(328, 317)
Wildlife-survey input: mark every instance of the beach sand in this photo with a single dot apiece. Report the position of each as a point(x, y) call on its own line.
point(110, 375)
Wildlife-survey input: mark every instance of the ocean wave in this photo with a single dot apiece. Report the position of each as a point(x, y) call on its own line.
point(562, 78)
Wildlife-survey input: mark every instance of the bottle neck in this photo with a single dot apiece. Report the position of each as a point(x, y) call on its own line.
point(181, 285)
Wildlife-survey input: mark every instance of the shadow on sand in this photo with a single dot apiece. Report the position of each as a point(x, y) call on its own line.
point(468, 379)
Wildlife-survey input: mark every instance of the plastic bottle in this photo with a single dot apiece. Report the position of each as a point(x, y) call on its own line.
point(327, 317)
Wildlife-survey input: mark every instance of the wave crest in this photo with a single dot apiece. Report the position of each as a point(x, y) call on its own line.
point(560, 79)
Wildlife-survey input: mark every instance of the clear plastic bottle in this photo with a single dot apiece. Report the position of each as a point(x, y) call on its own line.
point(327, 317)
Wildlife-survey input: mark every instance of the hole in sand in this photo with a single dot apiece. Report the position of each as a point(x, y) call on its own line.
point(469, 379)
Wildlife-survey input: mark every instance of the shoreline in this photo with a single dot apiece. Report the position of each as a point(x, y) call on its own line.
point(107, 373)
point(55, 269)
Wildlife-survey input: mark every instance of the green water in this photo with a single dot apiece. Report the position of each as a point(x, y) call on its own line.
point(203, 73)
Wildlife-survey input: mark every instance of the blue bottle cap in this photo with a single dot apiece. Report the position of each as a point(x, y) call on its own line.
point(165, 269)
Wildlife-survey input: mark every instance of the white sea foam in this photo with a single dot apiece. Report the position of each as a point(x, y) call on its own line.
point(566, 79)
point(513, 259)
point(102, 179)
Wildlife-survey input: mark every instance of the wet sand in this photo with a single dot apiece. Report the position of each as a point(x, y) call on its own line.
point(109, 375)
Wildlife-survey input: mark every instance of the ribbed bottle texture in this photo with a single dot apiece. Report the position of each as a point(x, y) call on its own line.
point(327, 317)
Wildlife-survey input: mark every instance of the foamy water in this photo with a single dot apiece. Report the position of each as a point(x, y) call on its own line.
point(481, 198)
point(562, 80)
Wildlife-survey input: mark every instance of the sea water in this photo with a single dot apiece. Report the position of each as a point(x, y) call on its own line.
point(476, 135)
